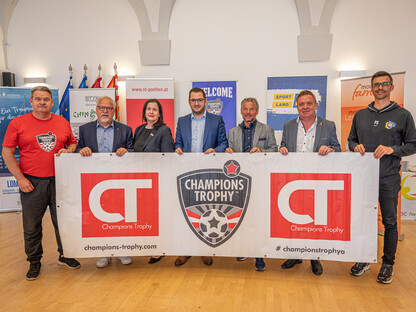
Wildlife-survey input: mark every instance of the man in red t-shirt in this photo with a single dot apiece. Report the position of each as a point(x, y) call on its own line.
point(39, 135)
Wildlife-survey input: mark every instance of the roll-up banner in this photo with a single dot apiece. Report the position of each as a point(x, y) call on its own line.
point(408, 192)
point(282, 93)
point(139, 90)
point(82, 105)
point(221, 100)
point(356, 94)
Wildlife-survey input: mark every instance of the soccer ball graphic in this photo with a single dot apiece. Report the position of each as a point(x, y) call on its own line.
point(213, 223)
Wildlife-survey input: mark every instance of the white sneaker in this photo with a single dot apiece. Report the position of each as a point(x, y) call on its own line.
point(102, 262)
point(125, 260)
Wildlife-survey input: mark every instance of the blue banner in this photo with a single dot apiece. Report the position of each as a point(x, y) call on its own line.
point(221, 99)
point(282, 93)
point(16, 102)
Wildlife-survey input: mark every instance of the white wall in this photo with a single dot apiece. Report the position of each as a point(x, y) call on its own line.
point(211, 40)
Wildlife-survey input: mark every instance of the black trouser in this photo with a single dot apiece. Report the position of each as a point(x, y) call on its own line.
point(34, 205)
point(388, 196)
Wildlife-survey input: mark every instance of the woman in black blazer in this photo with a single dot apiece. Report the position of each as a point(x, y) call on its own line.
point(153, 136)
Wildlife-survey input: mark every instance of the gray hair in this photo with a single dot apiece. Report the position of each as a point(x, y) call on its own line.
point(250, 99)
point(40, 88)
point(105, 97)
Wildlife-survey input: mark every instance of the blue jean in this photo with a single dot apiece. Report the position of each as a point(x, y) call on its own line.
point(389, 188)
point(34, 205)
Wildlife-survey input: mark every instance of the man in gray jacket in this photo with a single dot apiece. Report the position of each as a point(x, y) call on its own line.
point(308, 133)
point(251, 136)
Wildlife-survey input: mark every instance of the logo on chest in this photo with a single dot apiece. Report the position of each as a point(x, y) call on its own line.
point(390, 125)
point(47, 141)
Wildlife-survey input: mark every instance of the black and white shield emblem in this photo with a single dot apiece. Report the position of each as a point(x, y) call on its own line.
point(214, 106)
point(214, 201)
point(47, 141)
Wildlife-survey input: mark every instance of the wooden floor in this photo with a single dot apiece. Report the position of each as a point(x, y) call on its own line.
point(227, 285)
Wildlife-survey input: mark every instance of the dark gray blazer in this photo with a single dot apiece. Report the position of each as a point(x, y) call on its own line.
point(159, 140)
point(123, 137)
point(264, 138)
point(326, 134)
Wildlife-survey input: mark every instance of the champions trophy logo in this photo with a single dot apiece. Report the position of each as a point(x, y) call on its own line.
point(214, 106)
point(214, 201)
point(47, 141)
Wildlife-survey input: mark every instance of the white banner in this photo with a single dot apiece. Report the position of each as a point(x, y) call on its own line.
point(82, 105)
point(261, 205)
point(83, 102)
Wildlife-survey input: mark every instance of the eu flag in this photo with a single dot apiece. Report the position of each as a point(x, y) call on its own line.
point(64, 104)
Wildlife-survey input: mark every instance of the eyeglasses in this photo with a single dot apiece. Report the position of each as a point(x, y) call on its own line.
point(107, 108)
point(383, 84)
point(193, 101)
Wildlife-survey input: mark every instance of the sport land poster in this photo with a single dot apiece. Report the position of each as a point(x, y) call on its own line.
point(282, 93)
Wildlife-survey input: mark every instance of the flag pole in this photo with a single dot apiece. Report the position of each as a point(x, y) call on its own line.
point(83, 83)
point(116, 86)
point(99, 75)
point(70, 75)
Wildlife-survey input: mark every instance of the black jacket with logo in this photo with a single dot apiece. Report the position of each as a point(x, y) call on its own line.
point(391, 126)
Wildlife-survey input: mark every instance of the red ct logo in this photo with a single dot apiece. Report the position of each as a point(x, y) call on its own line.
point(311, 205)
point(120, 204)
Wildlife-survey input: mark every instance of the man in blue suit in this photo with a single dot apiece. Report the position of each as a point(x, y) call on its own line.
point(308, 133)
point(105, 135)
point(199, 132)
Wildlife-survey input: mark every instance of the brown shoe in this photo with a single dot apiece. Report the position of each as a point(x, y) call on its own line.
point(207, 260)
point(181, 260)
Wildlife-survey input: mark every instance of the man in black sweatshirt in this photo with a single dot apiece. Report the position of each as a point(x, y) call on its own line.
point(388, 131)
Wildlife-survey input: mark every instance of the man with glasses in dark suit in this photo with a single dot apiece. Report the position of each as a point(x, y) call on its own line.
point(105, 135)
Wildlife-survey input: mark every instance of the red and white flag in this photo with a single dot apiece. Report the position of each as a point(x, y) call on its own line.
point(113, 84)
point(97, 83)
